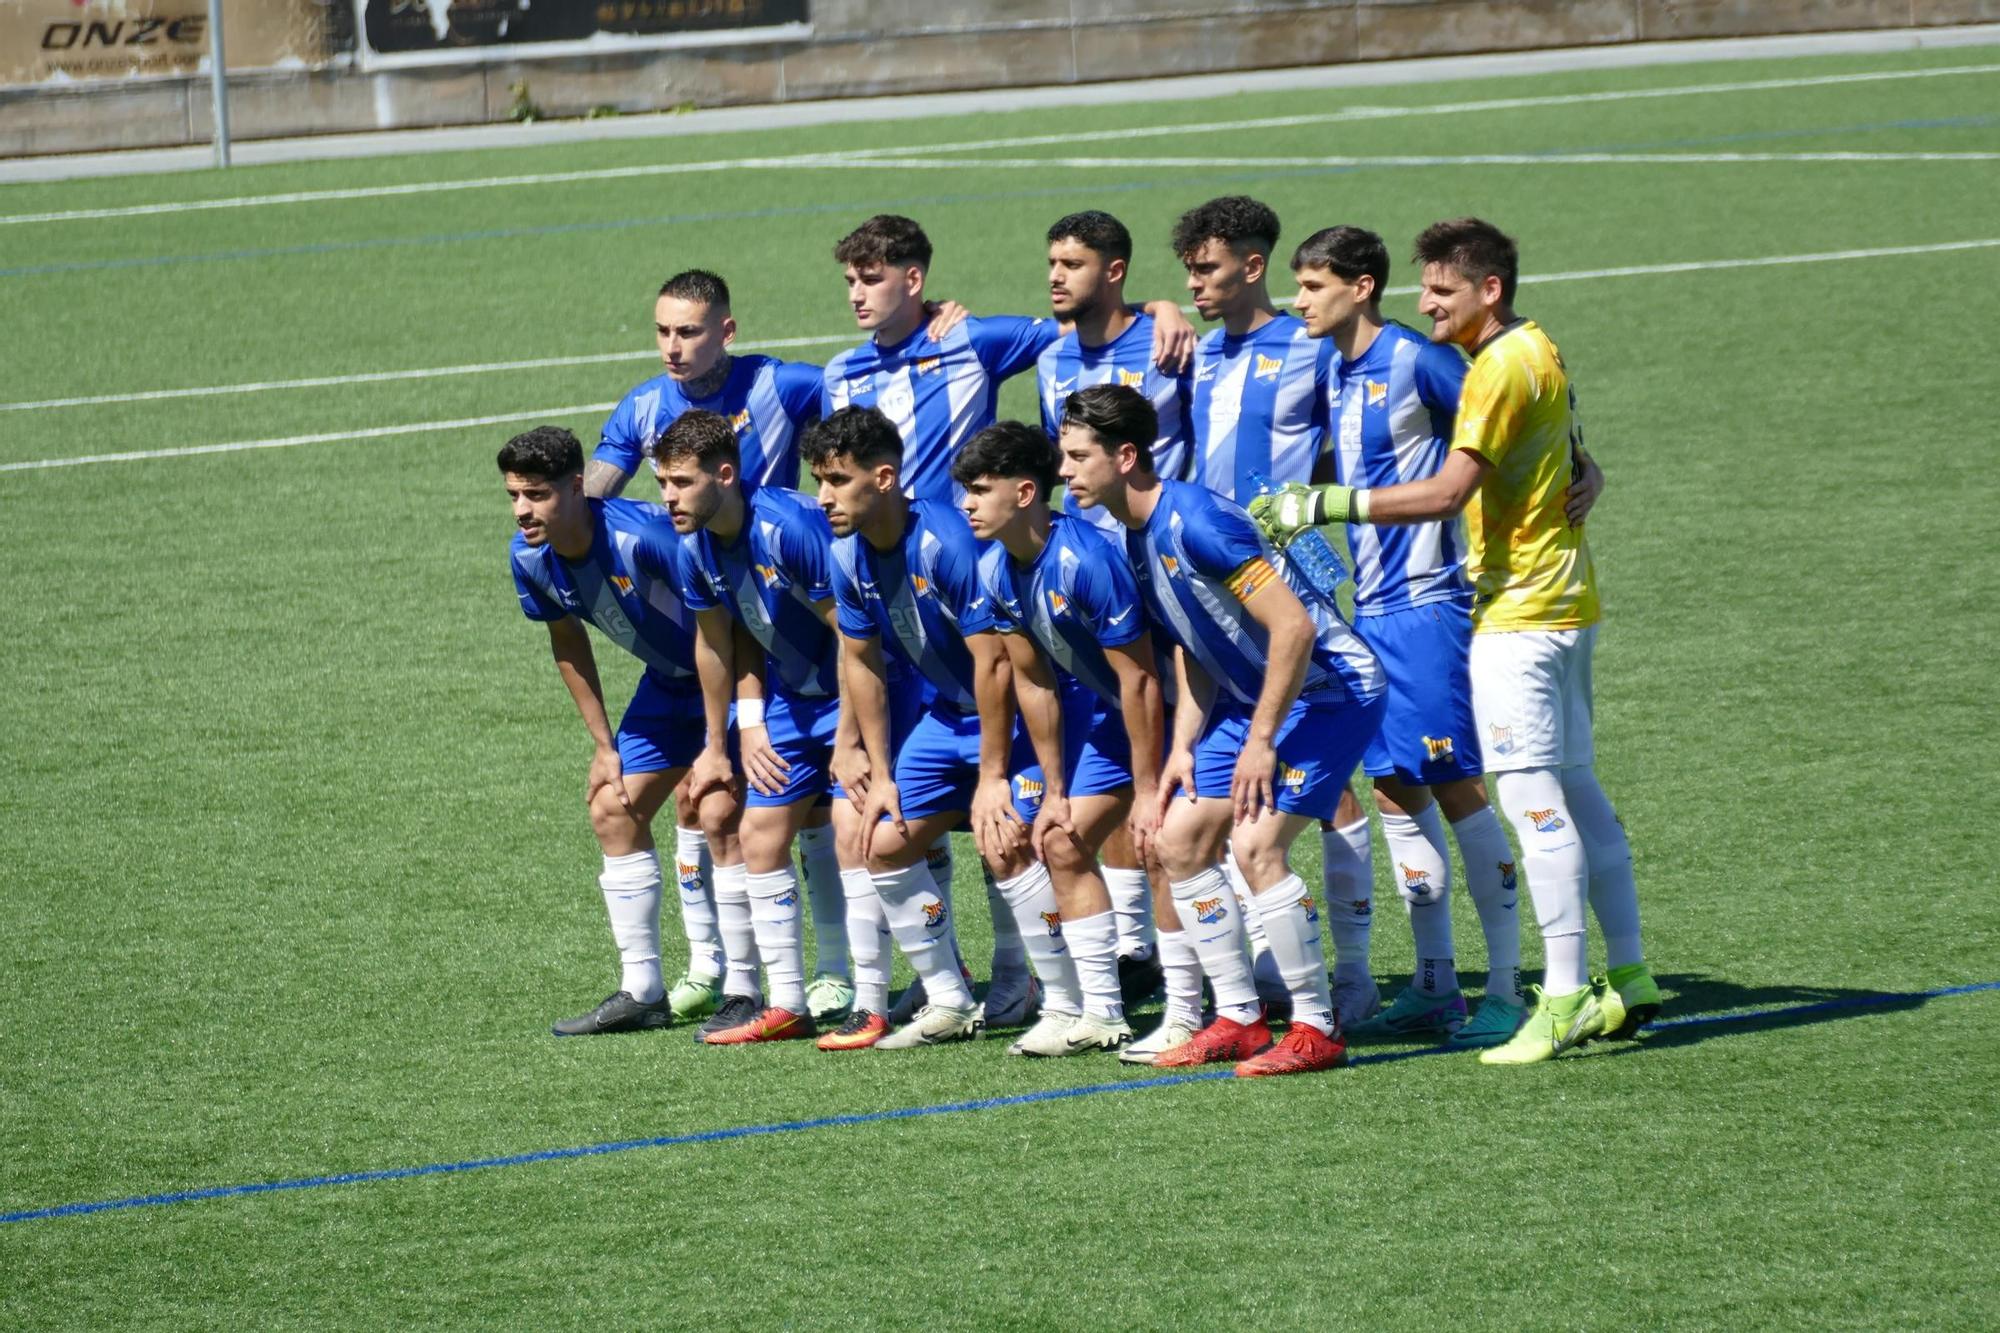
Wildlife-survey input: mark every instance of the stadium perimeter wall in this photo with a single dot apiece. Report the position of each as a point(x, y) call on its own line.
point(327, 81)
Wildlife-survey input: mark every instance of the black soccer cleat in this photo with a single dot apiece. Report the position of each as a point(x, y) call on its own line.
point(619, 1013)
point(1140, 979)
point(735, 1011)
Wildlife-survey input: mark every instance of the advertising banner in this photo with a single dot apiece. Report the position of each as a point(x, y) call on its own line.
point(448, 31)
point(60, 41)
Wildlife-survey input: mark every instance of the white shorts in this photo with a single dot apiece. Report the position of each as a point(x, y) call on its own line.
point(1531, 698)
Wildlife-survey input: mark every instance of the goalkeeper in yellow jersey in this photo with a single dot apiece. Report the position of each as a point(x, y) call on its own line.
point(1514, 450)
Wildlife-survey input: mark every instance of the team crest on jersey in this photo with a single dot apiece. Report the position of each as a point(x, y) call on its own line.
point(1026, 788)
point(1310, 908)
point(1416, 881)
point(1546, 821)
point(929, 365)
point(768, 573)
point(1378, 394)
point(1171, 565)
point(1502, 739)
point(1439, 746)
point(740, 422)
point(1132, 379)
point(933, 912)
point(1268, 367)
point(1057, 603)
point(1053, 920)
point(1292, 779)
point(919, 584)
point(623, 584)
point(1208, 911)
point(1508, 882)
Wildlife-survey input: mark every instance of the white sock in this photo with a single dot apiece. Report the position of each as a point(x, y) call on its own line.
point(1291, 925)
point(1213, 922)
point(1558, 872)
point(1183, 978)
point(920, 919)
point(780, 930)
point(1010, 949)
point(1350, 891)
point(631, 886)
point(1614, 897)
point(828, 898)
point(704, 939)
point(1264, 972)
point(1093, 944)
point(739, 937)
point(1132, 909)
point(1490, 881)
point(1423, 877)
point(1028, 902)
point(943, 866)
point(867, 940)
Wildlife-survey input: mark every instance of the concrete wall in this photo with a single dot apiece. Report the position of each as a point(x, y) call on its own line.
point(864, 47)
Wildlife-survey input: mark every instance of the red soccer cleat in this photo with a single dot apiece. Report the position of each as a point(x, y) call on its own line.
point(1224, 1039)
point(863, 1028)
point(773, 1024)
point(1304, 1050)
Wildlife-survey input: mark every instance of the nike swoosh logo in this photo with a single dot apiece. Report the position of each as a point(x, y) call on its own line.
point(1120, 616)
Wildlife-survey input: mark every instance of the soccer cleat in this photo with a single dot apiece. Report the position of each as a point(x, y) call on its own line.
point(1557, 1024)
point(1091, 1033)
point(694, 996)
point(618, 1012)
point(1302, 1050)
point(1356, 999)
point(829, 997)
point(1630, 993)
point(1414, 1014)
point(1224, 1039)
point(734, 1011)
point(1497, 1018)
point(773, 1024)
point(1170, 1033)
point(1012, 1000)
point(913, 998)
point(935, 1025)
point(1046, 1038)
point(1139, 979)
point(863, 1028)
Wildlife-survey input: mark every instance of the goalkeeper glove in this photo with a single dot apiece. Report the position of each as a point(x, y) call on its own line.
point(1286, 512)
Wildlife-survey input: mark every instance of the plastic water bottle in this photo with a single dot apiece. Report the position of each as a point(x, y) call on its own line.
point(1310, 552)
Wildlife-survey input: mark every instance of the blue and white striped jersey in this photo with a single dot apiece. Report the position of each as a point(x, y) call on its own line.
point(922, 598)
point(1075, 600)
point(768, 402)
point(772, 578)
point(939, 392)
point(1259, 406)
point(1198, 559)
point(1067, 365)
point(1392, 410)
point(628, 586)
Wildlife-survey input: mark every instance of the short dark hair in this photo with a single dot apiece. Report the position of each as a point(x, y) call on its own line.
point(1095, 230)
point(1008, 449)
point(860, 433)
point(886, 238)
point(1475, 248)
point(1116, 414)
point(706, 437)
point(1348, 252)
point(546, 452)
point(698, 284)
point(1238, 221)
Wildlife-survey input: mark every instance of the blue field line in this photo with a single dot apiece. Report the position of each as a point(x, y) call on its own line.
point(873, 1117)
point(937, 200)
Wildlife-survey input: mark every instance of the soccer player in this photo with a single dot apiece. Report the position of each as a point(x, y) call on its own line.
point(1090, 699)
point(1534, 619)
point(761, 561)
point(1090, 254)
point(906, 589)
point(1278, 699)
point(613, 564)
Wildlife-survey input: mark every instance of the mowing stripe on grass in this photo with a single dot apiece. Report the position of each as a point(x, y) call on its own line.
point(540, 363)
point(1399, 161)
point(876, 1117)
point(862, 156)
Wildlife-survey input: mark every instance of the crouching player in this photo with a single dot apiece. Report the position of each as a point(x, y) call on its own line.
point(1278, 700)
point(762, 561)
point(614, 564)
point(1063, 595)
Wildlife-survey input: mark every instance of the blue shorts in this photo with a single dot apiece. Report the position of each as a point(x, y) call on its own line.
point(1319, 743)
point(1428, 734)
point(1097, 755)
point(663, 727)
point(937, 764)
point(801, 731)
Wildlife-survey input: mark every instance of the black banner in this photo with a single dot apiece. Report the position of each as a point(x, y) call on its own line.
point(396, 26)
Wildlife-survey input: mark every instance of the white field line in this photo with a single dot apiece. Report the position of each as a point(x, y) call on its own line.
point(1456, 160)
point(1576, 275)
point(863, 155)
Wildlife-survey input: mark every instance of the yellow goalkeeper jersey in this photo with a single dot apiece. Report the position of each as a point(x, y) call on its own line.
point(1530, 569)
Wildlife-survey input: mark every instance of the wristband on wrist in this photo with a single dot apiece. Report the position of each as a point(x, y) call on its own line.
point(749, 713)
point(1357, 507)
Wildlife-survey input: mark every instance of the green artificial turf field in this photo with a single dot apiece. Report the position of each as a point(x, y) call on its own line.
point(297, 872)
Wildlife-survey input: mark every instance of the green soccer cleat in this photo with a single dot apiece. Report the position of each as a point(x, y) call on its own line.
point(694, 996)
point(829, 998)
point(1414, 1014)
point(1557, 1024)
point(1631, 1000)
point(1498, 1018)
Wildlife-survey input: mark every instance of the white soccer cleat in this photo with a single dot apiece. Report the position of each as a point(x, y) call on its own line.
point(1091, 1033)
point(1047, 1038)
point(935, 1025)
point(1011, 1000)
point(1356, 999)
point(1171, 1032)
